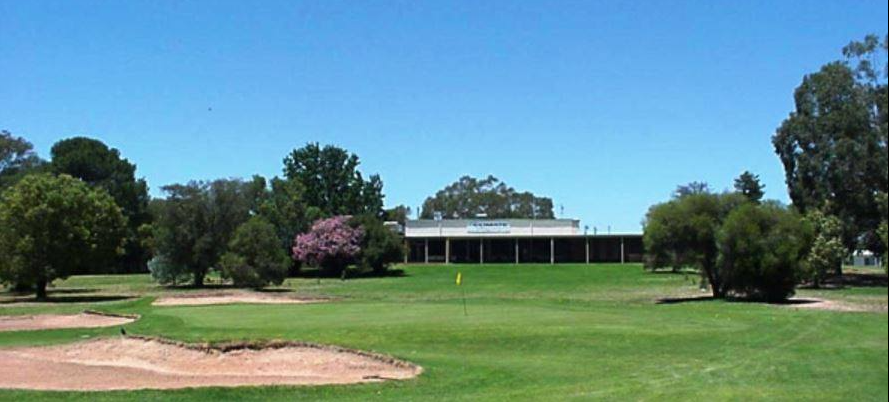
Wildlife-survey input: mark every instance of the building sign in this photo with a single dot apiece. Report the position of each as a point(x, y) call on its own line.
point(487, 227)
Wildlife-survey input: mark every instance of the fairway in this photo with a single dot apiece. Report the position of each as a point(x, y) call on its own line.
point(531, 332)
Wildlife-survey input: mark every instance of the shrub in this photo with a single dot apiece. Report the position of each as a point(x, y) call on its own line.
point(165, 272)
point(254, 258)
point(761, 248)
point(380, 246)
point(331, 244)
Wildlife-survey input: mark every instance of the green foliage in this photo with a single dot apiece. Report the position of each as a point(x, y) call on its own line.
point(54, 226)
point(284, 206)
point(100, 166)
point(682, 233)
point(331, 182)
point(761, 248)
point(833, 145)
point(165, 272)
point(748, 184)
point(827, 251)
point(380, 246)
point(695, 187)
point(255, 257)
point(398, 214)
point(17, 158)
point(196, 221)
point(468, 197)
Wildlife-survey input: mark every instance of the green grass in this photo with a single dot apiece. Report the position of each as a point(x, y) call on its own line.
point(533, 332)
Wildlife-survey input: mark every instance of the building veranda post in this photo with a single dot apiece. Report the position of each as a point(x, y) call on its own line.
point(515, 241)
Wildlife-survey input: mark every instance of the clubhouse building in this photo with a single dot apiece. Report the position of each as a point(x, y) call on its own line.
point(515, 241)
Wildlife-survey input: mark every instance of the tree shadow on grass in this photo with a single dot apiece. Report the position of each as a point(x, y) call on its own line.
point(311, 273)
point(862, 280)
point(52, 298)
point(695, 299)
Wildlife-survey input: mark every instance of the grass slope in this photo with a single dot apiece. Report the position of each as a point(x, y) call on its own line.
point(533, 332)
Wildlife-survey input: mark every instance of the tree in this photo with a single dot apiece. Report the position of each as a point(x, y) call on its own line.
point(331, 182)
point(468, 197)
point(284, 206)
point(380, 246)
point(827, 251)
point(196, 221)
point(400, 214)
point(748, 184)
point(761, 249)
point(682, 233)
point(100, 166)
point(165, 272)
point(17, 158)
point(883, 230)
point(54, 226)
point(254, 258)
point(331, 244)
point(695, 187)
point(833, 145)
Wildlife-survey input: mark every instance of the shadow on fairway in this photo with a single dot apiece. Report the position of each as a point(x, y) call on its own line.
point(52, 298)
point(861, 280)
point(313, 274)
point(694, 299)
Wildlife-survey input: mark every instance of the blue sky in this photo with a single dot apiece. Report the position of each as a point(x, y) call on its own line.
point(603, 106)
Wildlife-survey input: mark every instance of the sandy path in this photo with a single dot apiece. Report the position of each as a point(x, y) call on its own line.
point(133, 363)
point(199, 300)
point(56, 321)
point(832, 305)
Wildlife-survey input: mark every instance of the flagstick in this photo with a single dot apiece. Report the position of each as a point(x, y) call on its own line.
point(464, 301)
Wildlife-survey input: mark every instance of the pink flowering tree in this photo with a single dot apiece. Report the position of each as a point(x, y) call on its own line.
point(331, 244)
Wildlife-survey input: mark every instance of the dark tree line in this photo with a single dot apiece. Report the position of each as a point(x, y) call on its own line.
point(225, 225)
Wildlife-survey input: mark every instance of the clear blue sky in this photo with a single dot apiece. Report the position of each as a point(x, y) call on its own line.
point(603, 106)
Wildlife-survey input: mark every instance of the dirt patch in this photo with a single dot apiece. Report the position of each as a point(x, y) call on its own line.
point(127, 363)
point(831, 305)
point(209, 299)
point(86, 319)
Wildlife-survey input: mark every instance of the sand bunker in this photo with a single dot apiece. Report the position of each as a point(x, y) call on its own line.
point(55, 321)
point(143, 363)
point(208, 299)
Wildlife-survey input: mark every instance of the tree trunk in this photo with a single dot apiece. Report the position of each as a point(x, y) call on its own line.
point(199, 279)
point(40, 288)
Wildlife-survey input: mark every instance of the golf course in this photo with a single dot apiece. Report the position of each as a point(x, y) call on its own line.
point(508, 332)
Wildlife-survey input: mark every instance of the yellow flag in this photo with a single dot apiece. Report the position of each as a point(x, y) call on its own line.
point(459, 279)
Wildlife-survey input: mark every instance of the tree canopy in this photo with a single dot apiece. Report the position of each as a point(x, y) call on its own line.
point(331, 182)
point(17, 158)
point(748, 185)
point(468, 197)
point(330, 245)
point(741, 248)
point(54, 226)
point(833, 145)
point(100, 166)
point(254, 257)
point(761, 251)
point(195, 223)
